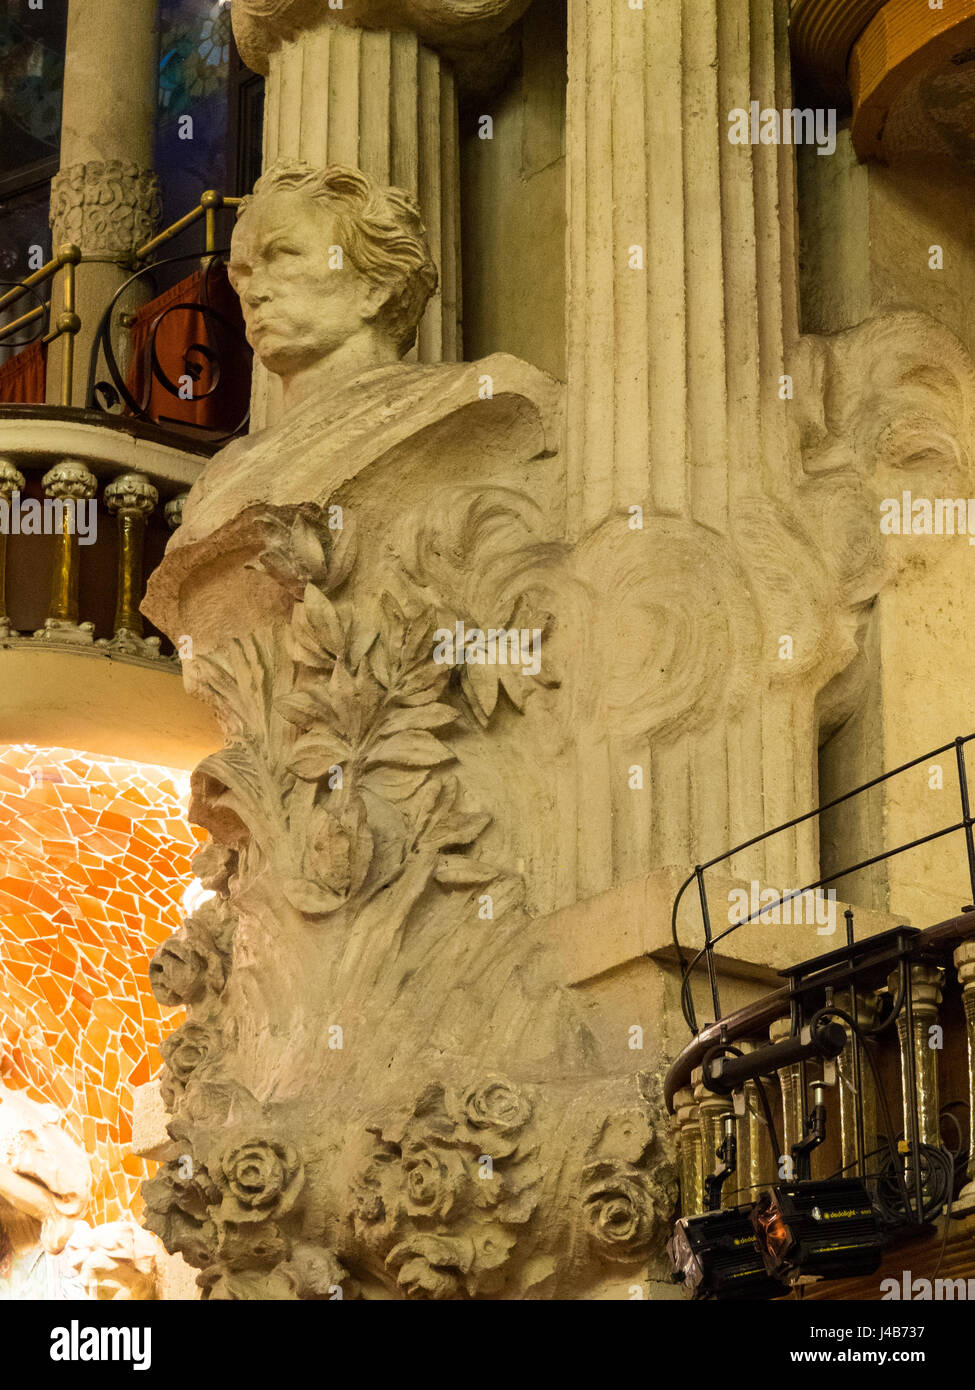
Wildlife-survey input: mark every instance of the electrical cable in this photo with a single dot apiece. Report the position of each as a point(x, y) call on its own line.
point(832, 1010)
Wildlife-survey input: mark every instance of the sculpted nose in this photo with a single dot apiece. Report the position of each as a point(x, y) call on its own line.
point(255, 295)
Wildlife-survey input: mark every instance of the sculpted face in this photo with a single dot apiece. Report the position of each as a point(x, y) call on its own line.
point(298, 309)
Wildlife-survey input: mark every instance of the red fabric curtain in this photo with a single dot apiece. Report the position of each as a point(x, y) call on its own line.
point(171, 338)
point(23, 378)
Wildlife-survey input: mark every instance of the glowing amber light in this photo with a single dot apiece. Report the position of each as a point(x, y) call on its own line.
point(94, 859)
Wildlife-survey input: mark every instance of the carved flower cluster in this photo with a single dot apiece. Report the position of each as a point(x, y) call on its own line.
point(439, 1195)
point(196, 959)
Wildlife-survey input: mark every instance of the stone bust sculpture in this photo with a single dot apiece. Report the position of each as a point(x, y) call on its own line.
point(333, 274)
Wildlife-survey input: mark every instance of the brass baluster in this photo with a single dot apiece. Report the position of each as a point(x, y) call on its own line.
point(965, 965)
point(790, 1079)
point(850, 1089)
point(68, 483)
point(691, 1153)
point(11, 482)
point(131, 497)
point(712, 1110)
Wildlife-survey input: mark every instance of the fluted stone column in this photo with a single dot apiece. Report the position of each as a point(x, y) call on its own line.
point(380, 98)
point(681, 307)
point(104, 197)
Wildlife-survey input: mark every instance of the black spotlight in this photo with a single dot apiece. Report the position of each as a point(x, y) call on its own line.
point(715, 1256)
point(818, 1230)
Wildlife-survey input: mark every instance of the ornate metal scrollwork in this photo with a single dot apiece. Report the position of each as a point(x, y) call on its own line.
point(224, 346)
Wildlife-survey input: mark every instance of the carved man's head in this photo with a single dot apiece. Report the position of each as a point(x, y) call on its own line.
point(116, 1262)
point(45, 1178)
point(324, 256)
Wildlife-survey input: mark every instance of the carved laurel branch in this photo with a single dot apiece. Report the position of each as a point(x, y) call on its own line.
point(331, 775)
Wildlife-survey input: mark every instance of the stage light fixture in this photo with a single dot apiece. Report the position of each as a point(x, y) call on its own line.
point(715, 1256)
point(817, 1230)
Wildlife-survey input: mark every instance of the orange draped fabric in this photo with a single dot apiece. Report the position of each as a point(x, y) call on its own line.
point(23, 378)
point(184, 338)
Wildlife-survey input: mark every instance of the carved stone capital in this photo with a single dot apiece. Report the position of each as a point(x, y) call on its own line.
point(11, 479)
point(451, 26)
point(173, 511)
point(107, 207)
point(131, 494)
point(70, 479)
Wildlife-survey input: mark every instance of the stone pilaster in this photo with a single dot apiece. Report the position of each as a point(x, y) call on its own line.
point(681, 310)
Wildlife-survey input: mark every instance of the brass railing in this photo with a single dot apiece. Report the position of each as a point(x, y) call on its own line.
point(68, 257)
point(68, 324)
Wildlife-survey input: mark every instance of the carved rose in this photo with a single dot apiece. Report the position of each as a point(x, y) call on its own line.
point(214, 866)
point(496, 1111)
point(177, 973)
point(437, 1181)
point(252, 1247)
point(250, 1285)
point(497, 1104)
point(195, 959)
point(317, 1273)
point(428, 1266)
point(177, 1209)
point(619, 1209)
point(184, 1051)
point(260, 1180)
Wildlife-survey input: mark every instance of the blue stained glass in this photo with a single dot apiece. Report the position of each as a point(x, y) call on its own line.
point(191, 132)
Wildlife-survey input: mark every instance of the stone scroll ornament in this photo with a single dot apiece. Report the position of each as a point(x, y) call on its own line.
point(381, 1089)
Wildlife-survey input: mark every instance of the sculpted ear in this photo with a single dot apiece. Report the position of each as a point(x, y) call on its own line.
point(374, 298)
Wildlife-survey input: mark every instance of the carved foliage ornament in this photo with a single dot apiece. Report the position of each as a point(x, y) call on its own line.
point(333, 817)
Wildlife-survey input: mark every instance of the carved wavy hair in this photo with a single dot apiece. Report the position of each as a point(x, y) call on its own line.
point(380, 232)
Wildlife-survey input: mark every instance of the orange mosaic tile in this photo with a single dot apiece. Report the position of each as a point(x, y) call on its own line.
point(96, 858)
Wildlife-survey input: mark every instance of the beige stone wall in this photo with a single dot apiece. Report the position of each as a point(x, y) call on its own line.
point(867, 233)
